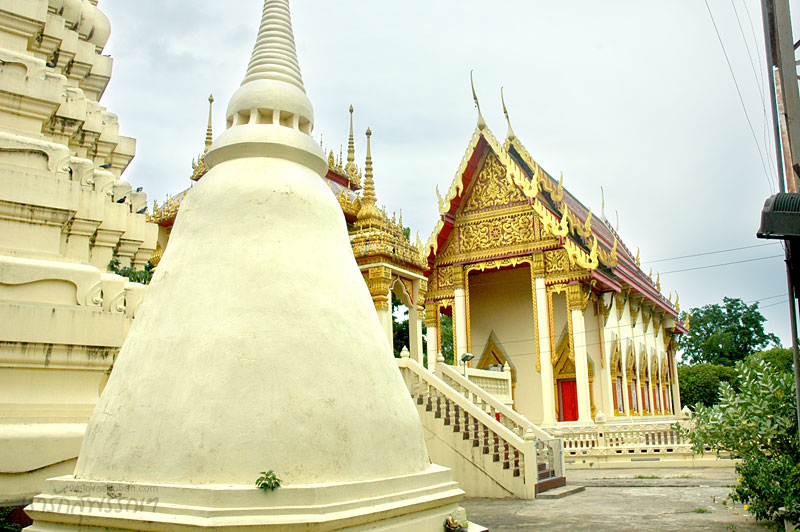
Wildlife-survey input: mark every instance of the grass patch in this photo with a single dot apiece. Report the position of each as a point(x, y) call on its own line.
point(701, 511)
point(647, 477)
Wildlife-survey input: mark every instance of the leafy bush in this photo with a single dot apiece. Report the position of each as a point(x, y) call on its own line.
point(700, 383)
point(133, 275)
point(758, 424)
point(268, 481)
point(778, 357)
point(5, 520)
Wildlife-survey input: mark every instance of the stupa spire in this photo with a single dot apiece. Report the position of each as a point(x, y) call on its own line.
point(369, 208)
point(271, 112)
point(275, 56)
point(210, 130)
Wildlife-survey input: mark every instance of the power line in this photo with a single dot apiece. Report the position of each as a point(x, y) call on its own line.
point(711, 253)
point(778, 303)
point(765, 298)
point(722, 264)
point(749, 56)
point(741, 98)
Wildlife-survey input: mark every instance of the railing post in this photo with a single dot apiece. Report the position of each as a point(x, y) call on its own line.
point(531, 463)
point(600, 428)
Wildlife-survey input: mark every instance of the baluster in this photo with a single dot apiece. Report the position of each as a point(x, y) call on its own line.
point(506, 456)
point(476, 442)
point(466, 425)
point(517, 468)
point(446, 411)
point(485, 439)
point(457, 416)
point(496, 457)
point(438, 413)
point(429, 404)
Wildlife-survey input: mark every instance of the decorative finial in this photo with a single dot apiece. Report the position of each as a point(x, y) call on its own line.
point(210, 130)
point(658, 281)
point(350, 169)
point(511, 135)
point(616, 212)
point(603, 204)
point(638, 259)
point(351, 143)
point(369, 209)
point(481, 121)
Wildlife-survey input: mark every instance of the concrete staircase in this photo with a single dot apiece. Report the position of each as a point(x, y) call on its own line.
point(492, 450)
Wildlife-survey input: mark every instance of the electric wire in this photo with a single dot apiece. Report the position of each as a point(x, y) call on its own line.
point(741, 99)
point(778, 303)
point(721, 264)
point(710, 253)
point(749, 56)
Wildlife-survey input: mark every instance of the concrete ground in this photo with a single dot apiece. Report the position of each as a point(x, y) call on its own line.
point(621, 500)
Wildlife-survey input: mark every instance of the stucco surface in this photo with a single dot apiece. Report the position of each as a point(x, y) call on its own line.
point(257, 347)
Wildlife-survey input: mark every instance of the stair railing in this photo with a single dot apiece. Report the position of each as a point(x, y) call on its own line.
point(511, 451)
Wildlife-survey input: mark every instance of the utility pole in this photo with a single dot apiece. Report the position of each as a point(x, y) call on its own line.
point(785, 102)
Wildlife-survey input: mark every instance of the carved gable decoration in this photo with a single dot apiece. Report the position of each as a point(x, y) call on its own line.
point(492, 189)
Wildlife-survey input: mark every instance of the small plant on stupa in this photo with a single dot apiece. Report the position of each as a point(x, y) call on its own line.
point(268, 481)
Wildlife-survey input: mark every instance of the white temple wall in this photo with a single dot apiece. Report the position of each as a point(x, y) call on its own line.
point(64, 214)
point(594, 349)
point(501, 301)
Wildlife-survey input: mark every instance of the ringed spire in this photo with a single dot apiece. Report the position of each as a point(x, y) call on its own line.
point(275, 55)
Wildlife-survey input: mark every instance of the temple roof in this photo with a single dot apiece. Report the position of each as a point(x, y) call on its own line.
point(590, 242)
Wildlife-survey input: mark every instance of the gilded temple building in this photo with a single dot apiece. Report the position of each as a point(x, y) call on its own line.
point(536, 283)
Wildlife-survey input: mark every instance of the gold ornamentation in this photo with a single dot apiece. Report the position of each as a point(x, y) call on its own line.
point(578, 296)
point(497, 264)
point(538, 262)
point(491, 189)
point(605, 311)
point(536, 258)
point(635, 307)
point(620, 300)
point(609, 259)
point(497, 233)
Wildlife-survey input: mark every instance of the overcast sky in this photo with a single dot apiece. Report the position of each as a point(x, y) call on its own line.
point(635, 96)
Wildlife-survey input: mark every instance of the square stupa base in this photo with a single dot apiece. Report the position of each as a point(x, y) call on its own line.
point(418, 502)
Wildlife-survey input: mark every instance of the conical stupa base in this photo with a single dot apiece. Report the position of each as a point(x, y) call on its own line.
point(410, 503)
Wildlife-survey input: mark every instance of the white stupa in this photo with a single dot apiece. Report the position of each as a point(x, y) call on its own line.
point(257, 347)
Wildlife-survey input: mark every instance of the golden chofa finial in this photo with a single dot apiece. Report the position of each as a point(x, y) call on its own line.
point(638, 259)
point(481, 121)
point(210, 130)
point(603, 204)
point(510, 134)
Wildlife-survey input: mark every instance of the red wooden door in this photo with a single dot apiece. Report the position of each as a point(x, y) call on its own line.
point(568, 400)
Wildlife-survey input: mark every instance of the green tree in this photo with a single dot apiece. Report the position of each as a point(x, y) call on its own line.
point(400, 332)
point(700, 383)
point(778, 357)
point(756, 423)
point(725, 334)
point(446, 333)
point(399, 325)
